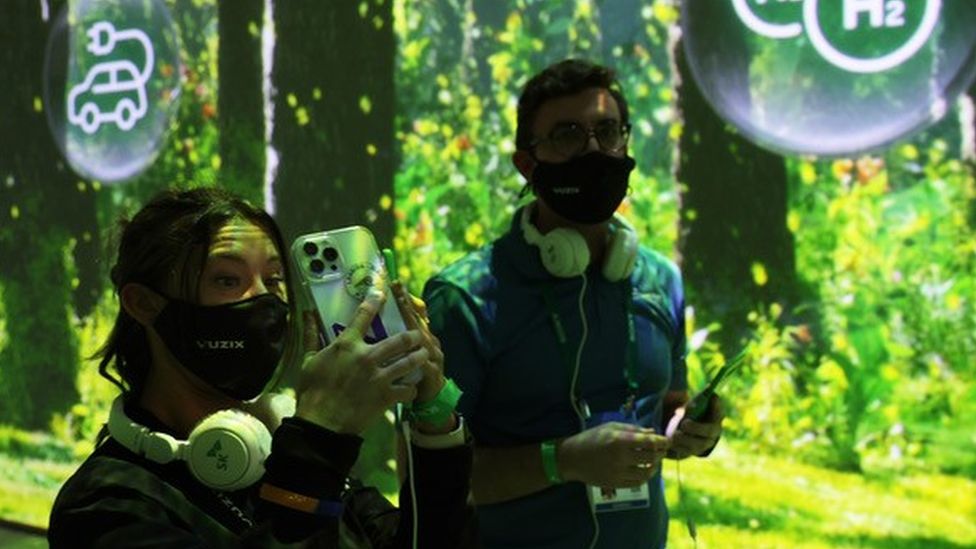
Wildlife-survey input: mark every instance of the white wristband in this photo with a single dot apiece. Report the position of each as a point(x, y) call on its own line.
point(439, 442)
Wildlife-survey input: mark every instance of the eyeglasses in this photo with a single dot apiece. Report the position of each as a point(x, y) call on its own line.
point(569, 140)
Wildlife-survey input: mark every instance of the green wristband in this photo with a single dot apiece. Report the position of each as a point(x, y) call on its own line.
point(440, 409)
point(549, 464)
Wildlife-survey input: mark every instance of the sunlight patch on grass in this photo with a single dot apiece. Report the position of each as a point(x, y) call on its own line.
point(744, 500)
point(28, 488)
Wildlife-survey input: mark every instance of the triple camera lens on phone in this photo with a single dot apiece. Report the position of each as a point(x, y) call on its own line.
point(316, 265)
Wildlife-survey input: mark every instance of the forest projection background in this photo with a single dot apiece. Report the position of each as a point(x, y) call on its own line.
point(852, 281)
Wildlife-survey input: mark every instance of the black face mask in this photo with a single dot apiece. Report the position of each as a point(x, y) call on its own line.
point(585, 189)
point(235, 347)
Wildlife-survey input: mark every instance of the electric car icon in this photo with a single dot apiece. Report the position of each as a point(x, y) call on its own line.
point(112, 91)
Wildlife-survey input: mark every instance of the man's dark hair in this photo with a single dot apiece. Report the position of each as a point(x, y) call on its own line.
point(567, 77)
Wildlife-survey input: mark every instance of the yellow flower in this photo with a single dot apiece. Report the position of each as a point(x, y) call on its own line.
point(808, 174)
point(474, 235)
point(759, 275)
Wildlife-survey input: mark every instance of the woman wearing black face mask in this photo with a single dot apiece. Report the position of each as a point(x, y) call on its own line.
point(188, 457)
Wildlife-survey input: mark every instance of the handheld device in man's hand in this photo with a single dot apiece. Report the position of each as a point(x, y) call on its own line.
point(699, 404)
point(337, 269)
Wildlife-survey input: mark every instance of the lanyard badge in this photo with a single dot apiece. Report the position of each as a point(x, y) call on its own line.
point(607, 499)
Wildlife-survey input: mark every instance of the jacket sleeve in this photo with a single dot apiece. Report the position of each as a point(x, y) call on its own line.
point(445, 517)
point(441, 478)
point(309, 460)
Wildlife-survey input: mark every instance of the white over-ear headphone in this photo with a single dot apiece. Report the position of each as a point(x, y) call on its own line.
point(565, 254)
point(225, 451)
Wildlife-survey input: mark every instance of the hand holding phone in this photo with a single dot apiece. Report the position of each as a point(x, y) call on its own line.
point(699, 404)
point(349, 385)
point(337, 269)
point(414, 313)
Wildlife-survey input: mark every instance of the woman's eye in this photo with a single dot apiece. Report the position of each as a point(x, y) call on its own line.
point(227, 281)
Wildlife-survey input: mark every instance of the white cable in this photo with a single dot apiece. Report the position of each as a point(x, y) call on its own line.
point(405, 427)
point(572, 400)
point(689, 520)
point(579, 353)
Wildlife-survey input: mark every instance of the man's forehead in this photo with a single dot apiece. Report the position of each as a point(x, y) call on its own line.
point(585, 107)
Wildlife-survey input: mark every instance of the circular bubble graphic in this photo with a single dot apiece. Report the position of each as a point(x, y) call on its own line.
point(112, 85)
point(830, 77)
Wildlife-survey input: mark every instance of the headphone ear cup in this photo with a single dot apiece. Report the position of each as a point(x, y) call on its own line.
point(621, 253)
point(564, 253)
point(227, 450)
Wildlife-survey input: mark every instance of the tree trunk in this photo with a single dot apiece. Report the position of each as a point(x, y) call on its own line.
point(733, 216)
point(333, 116)
point(967, 123)
point(240, 107)
point(333, 133)
point(43, 208)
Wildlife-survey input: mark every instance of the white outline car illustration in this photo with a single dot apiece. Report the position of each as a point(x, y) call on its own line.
point(120, 79)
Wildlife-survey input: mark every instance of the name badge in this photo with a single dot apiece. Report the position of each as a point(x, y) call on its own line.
point(607, 500)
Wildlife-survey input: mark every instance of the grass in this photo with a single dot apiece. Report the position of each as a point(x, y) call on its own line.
point(28, 488)
point(737, 499)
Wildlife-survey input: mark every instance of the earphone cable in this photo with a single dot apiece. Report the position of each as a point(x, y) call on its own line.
point(405, 427)
point(575, 403)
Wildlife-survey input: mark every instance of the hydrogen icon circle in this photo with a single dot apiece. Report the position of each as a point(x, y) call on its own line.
point(830, 77)
point(112, 80)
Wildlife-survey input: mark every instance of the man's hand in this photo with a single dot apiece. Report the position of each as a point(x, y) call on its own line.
point(693, 438)
point(613, 455)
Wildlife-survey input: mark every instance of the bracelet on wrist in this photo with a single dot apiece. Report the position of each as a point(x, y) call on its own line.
point(439, 409)
point(549, 464)
point(451, 439)
point(300, 502)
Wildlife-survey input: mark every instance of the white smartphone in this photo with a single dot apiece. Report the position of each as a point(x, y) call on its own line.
point(337, 268)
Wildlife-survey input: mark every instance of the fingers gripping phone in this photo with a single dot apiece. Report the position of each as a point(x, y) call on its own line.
point(337, 268)
point(699, 404)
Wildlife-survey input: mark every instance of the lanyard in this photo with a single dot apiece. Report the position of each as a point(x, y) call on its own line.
point(630, 357)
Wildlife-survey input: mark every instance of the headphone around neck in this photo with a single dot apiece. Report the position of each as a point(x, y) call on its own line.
point(225, 451)
point(564, 252)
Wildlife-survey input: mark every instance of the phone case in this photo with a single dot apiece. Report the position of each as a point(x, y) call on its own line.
point(337, 268)
point(700, 405)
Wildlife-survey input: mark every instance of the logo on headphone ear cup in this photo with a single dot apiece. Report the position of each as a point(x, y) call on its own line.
point(564, 253)
point(227, 450)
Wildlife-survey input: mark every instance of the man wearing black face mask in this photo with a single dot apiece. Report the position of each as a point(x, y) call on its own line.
point(568, 340)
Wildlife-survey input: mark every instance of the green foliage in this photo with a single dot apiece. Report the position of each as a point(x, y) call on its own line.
point(456, 188)
point(882, 381)
point(78, 427)
point(41, 336)
point(32, 444)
